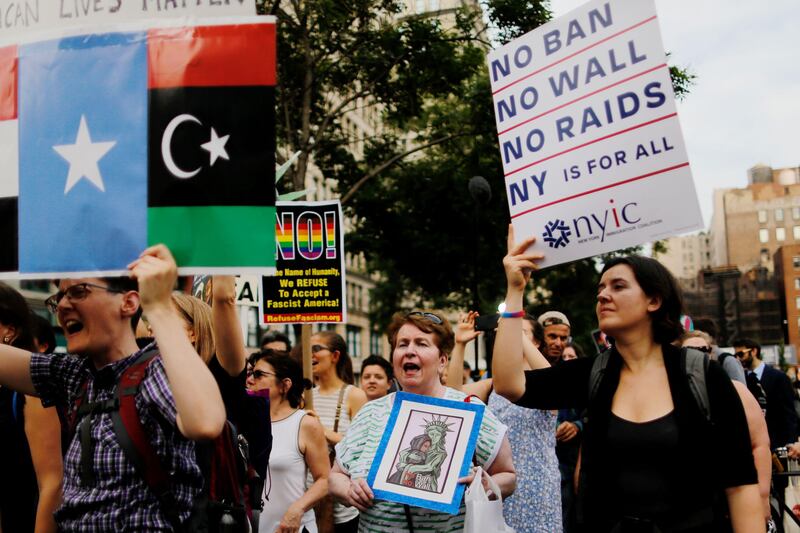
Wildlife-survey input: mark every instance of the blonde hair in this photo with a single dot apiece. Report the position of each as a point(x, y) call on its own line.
point(197, 314)
point(695, 334)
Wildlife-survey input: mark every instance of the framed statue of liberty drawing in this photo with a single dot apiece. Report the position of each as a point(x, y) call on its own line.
point(427, 445)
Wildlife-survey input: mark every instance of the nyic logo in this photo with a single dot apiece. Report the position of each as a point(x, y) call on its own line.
point(592, 226)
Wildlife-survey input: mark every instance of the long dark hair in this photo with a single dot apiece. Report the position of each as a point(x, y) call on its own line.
point(286, 367)
point(14, 312)
point(344, 366)
point(656, 282)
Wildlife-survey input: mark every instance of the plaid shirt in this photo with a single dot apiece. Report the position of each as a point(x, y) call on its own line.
point(120, 500)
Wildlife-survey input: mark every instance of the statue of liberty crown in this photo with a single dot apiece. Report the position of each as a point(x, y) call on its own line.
point(439, 422)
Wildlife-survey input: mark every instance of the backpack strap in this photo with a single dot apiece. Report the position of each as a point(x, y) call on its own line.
point(694, 365)
point(135, 442)
point(598, 371)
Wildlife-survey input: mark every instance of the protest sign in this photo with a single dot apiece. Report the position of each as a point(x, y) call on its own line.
point(141, 136)
point(427, 445)
point(24, 16)
point(247, 288)
point(309, 285)
point(592, 151)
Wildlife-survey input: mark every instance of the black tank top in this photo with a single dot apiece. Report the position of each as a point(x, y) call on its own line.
point(641, 454)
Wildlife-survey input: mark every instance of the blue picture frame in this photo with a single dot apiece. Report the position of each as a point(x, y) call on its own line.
point(453, 506)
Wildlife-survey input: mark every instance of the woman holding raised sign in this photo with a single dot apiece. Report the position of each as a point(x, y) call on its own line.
point(655, 459)
point(420, 343)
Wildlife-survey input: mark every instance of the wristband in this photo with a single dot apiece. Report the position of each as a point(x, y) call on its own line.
point(513, 314)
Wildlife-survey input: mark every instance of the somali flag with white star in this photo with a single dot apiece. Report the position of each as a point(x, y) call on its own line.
point(82, 153)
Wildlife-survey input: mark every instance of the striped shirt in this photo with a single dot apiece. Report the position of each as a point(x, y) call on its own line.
point(358, 449)
point(120, 500)
point(325, 407)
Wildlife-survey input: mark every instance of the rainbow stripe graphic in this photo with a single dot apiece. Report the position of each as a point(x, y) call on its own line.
point(309, 235)
point(284, 236)
point(330, 234)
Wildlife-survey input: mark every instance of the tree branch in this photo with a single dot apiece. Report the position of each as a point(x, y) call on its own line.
point(394, 159)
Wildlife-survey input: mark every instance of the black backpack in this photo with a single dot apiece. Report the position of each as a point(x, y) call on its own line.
point(231, 495)
point(694, 365)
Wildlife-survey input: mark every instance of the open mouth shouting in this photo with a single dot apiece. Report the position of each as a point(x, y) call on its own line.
point(411, 369)
point(72, 326)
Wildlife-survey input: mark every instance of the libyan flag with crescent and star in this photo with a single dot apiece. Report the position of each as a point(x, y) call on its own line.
point(128, 139)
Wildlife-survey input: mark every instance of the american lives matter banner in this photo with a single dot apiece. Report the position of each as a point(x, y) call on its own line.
point(592, 149)
point(23, 16)
point(309, 285)
point(130, 138)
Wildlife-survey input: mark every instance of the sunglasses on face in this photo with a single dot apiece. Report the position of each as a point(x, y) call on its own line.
point(258, 374)
point(428, 316)
point(742, 353)
point(316, 348)
point(75, 293)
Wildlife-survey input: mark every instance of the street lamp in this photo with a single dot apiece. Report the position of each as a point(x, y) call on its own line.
point(481, 194)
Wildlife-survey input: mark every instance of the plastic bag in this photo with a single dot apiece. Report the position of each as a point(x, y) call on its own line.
point(484, 515)
point(792, 498)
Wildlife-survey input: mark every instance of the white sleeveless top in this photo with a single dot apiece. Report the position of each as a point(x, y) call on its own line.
point(286, 477)
point(325, 407)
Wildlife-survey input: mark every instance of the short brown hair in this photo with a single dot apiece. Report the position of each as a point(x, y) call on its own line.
point(197, 314)
point(442, 333)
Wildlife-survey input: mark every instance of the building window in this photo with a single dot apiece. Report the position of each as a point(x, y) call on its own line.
point(796, 261)
point(762, 216)
point(796, 233)
point(375, 343)
point(354, 340)
point(780, 234)
point(796, 213)
point(420, 6)
point(763, 235)
point(434, 5)
point(779, 214)
point(797, 302)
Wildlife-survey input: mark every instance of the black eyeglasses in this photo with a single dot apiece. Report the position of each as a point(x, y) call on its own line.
point(430, 316)
point(75, 293)
point(258, 374)
point(741, 354)
point(318, 348)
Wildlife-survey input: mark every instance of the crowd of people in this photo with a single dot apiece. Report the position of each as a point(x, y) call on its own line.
point(157, 403)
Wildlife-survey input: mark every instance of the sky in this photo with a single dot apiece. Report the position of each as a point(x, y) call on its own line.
point(744, 107)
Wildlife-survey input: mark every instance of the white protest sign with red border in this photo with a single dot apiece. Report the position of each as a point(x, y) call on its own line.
point(592, 151)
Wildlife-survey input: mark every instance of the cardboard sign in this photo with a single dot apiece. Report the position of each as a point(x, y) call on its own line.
point(23, 16)
point(592, 151)
point(309, 285)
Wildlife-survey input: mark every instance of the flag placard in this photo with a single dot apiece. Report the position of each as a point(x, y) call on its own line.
point(132, 138)
point(309, 285)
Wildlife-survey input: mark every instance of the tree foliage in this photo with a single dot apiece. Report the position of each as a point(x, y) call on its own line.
point(412, 215)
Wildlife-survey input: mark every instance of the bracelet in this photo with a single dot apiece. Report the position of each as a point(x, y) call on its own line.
point(512, 314)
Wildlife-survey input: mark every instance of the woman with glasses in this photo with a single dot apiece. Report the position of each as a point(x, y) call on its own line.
point(30, 437)
point(298, 451)
point(651, 459)
point(421, 343)
point(336, 402)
